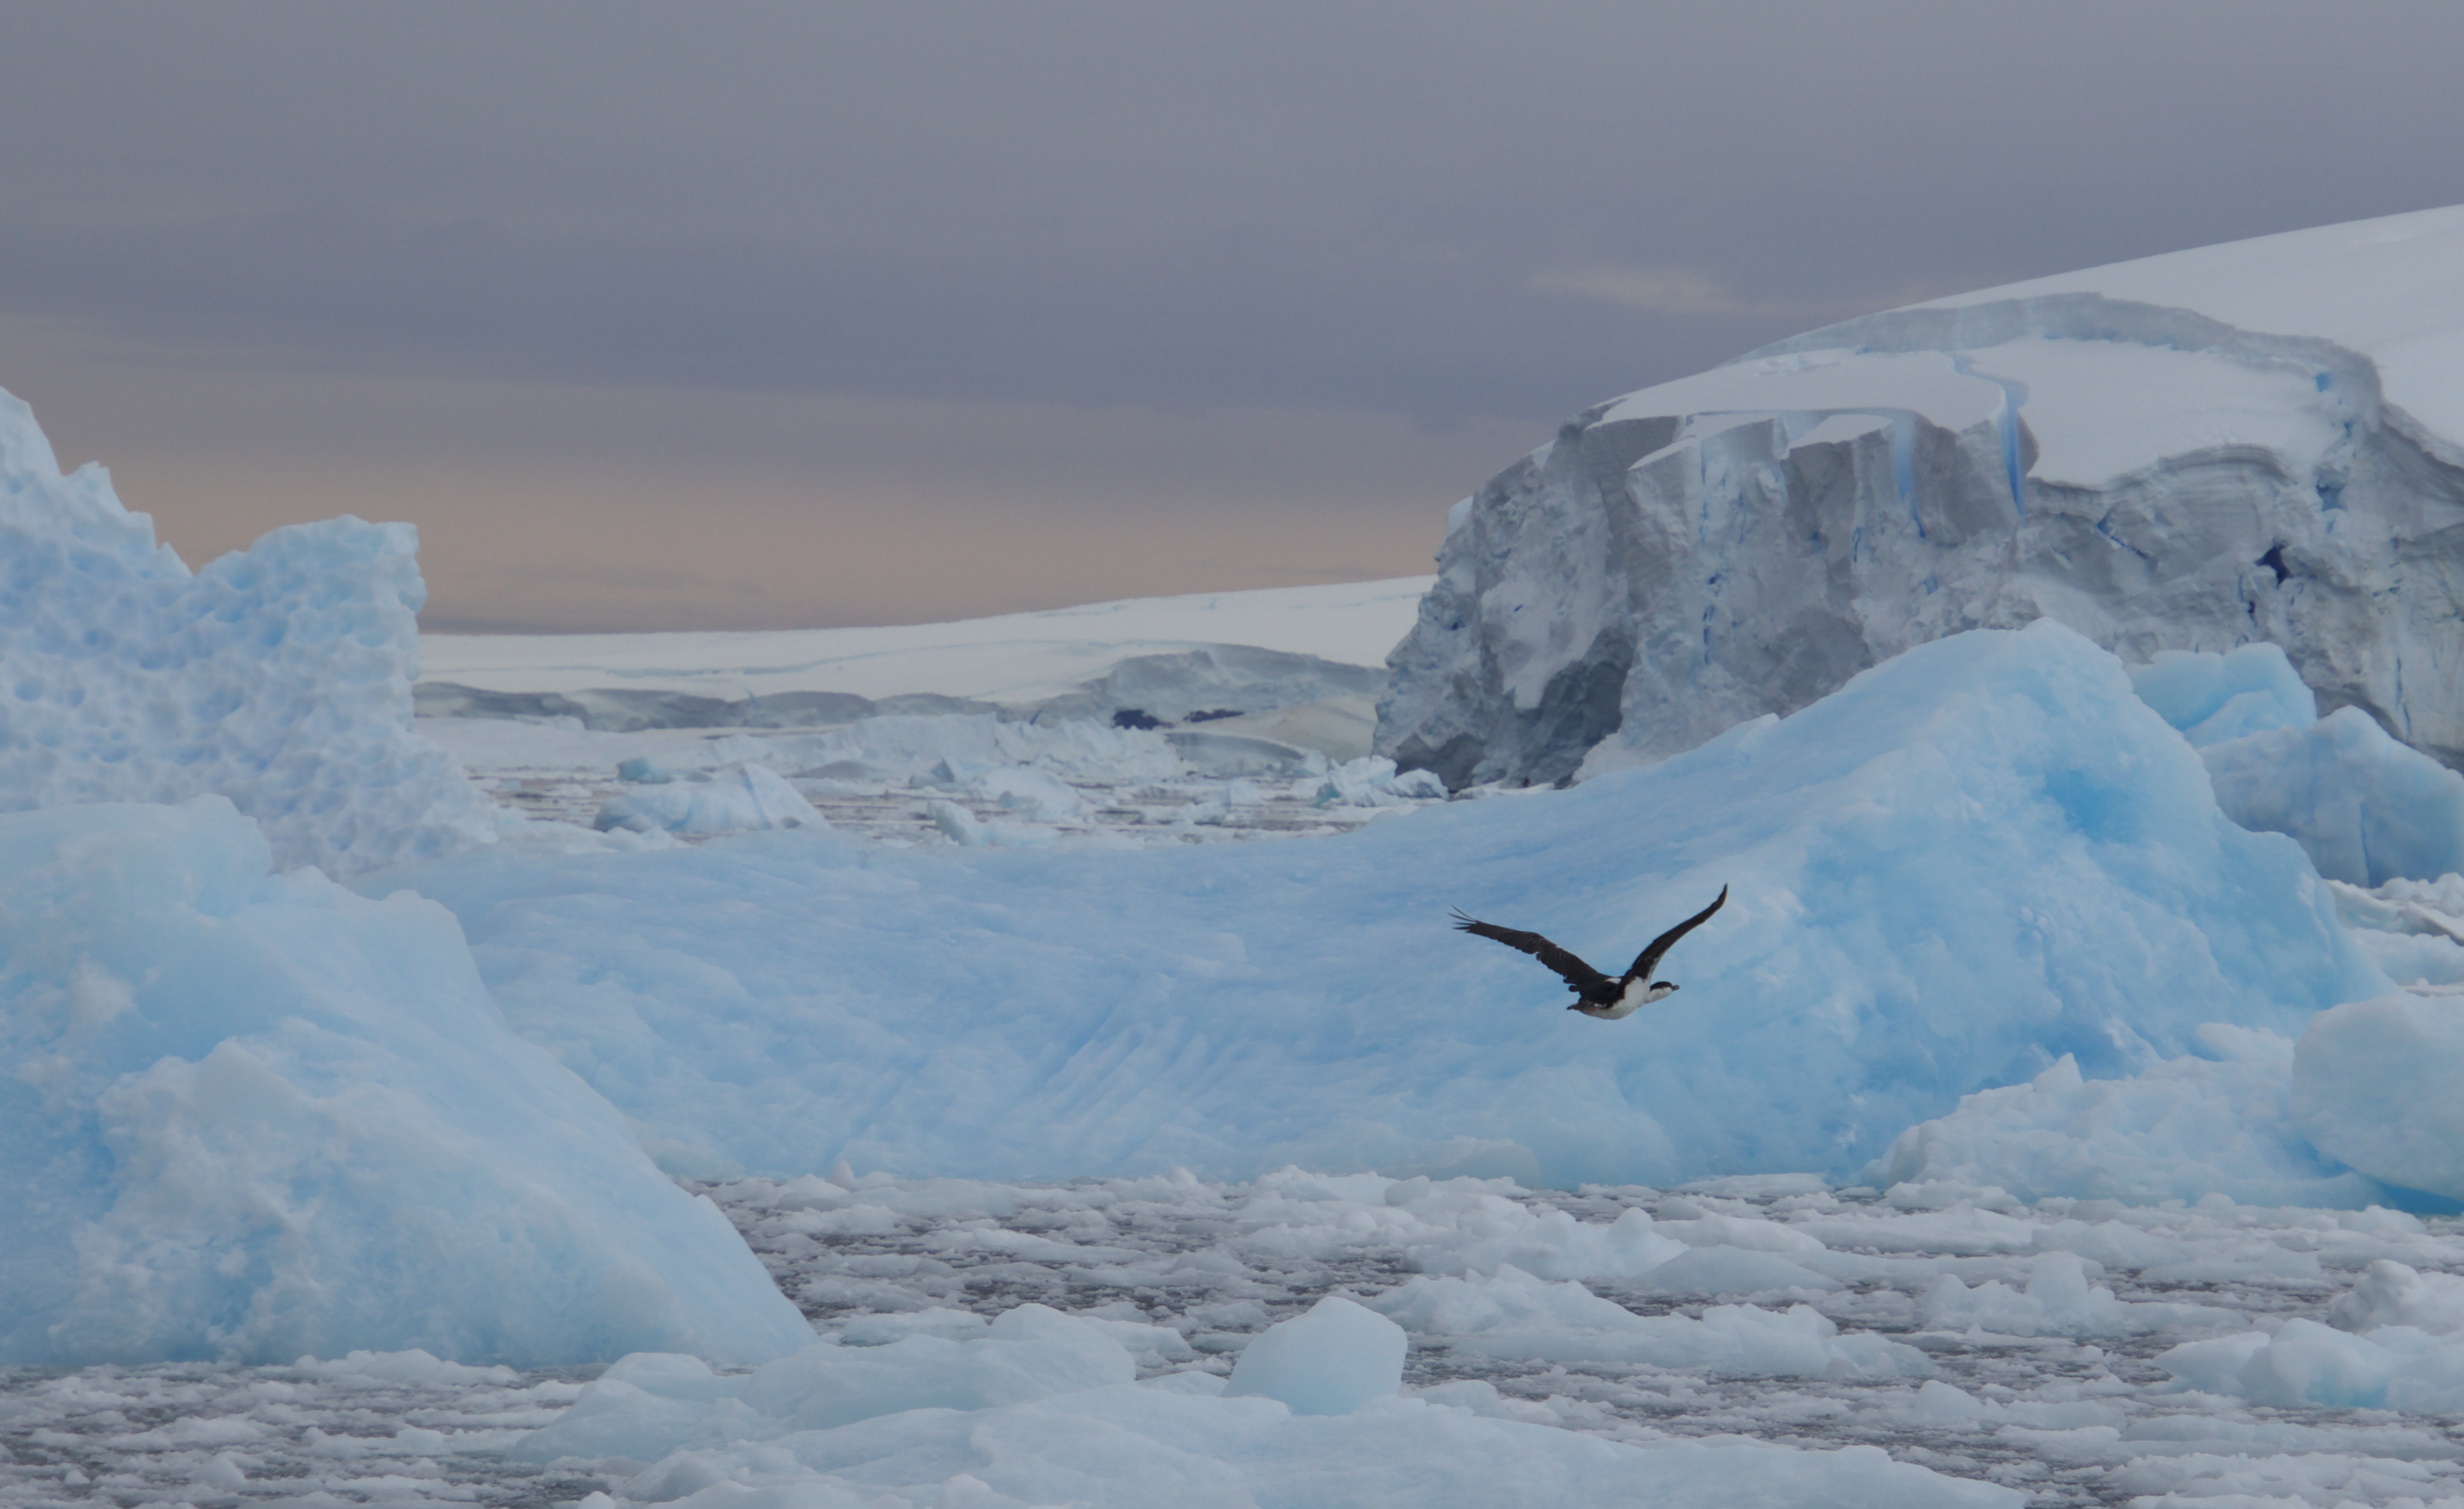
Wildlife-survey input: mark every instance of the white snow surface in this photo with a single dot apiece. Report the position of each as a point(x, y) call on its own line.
point(2262, 441)
point(278, 676)
point(1015, 657)
point(1972, 861)
point(2384, 288)
point(249, 1117)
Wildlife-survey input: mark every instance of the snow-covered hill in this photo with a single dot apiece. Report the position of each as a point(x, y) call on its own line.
point(2263, 440)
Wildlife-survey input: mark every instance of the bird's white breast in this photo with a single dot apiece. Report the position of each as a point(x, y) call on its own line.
point(1637, 993)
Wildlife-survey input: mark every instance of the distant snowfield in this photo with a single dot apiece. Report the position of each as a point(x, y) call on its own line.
point(2386, 288)
point(1015, 657)
point(1293, 664)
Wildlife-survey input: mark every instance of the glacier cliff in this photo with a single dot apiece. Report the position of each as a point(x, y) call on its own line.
point(2244, 443)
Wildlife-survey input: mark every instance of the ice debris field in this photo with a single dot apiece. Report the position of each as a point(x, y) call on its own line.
point(1028, 1061)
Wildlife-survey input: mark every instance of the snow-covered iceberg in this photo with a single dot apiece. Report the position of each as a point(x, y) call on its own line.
point(2256, 441)
point(1970, 861)
point(249, 1117)
point(278, 676)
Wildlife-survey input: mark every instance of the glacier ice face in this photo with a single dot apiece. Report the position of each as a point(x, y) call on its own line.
point(252, 1116)
point(278, 676)
point(1971, 860)
point(2095, 450)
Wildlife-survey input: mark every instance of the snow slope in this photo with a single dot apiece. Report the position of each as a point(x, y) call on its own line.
point(1973, 860)
point(279, 676)
point(2259, 441)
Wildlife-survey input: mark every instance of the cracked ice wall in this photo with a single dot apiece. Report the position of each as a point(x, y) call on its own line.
point(1742, 542)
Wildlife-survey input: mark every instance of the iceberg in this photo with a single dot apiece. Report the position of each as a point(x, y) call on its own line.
point(2180, 1130)
point(250, 1117)
point(737, 797)
point(2261, 441)
point(278, 676)
point(2379, 1084)
point(1969, 862)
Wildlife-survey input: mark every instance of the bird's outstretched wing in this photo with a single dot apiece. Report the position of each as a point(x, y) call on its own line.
point(1649, 959)
point(1575, 973)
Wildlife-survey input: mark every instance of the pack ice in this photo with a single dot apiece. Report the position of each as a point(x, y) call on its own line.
point(1965, 864)
point(2256, 441)
point(279, 676)
point(1040, 1407)
point(253, 1116)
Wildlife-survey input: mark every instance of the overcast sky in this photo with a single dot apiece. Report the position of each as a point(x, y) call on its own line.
point(701, 315)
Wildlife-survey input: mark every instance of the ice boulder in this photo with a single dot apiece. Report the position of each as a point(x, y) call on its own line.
point(2212, 698)
point(1332, 1360)
point(2388, 1293)
point(2306, 1364)
point(2256, 441)
point(731, 798)
point(1511, 1314)
point(278, 676)
point(1964, 865)
point(2379, 1084)
point(2364, 808)
point(247, 1116)
point(2219, 1123)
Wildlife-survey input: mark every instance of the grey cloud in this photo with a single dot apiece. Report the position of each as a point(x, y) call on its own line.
point(1423, 209)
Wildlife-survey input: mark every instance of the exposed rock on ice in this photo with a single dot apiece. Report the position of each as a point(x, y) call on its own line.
point(252, 1116)
point(278, 676)
point(2257, 441)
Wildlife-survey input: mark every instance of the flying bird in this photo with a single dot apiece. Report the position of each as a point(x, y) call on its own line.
point(1595, 994)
